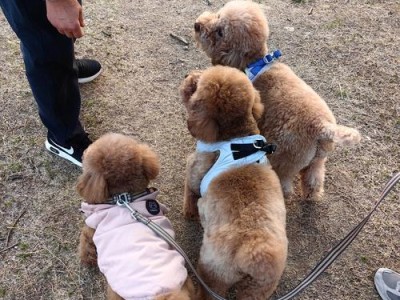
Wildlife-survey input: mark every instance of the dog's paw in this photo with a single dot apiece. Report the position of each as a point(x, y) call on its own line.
point(189, 85)
point(314, 195)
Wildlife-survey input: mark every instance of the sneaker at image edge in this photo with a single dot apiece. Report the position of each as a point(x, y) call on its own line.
point(387, 283)
point(73, 152)
point(88, 69)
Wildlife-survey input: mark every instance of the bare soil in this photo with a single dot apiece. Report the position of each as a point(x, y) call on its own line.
point(347, 50)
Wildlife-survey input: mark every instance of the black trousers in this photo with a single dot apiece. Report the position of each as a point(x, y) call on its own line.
point(49, 65)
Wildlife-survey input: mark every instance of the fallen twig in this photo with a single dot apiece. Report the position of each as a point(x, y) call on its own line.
point(8, 248)
point(181, 39)
point(311, 11)
point(108, 34)
point(13, 226)
point(15, 177)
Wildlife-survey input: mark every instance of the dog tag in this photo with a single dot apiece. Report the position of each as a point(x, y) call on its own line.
point(153, 207)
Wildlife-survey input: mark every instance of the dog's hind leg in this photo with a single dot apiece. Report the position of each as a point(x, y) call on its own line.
point(251, 289)
point(312, 179)
point(213, 282)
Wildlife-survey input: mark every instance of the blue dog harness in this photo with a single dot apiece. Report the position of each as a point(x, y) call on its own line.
point(255, 69)
point(234, 153)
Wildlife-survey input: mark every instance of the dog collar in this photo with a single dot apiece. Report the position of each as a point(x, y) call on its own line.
point(128, 197)
point(262, 65)
point(234, 153)
point(144, 202)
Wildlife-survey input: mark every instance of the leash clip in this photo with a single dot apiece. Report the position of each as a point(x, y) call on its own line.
point(122, 200)
point(263, 146)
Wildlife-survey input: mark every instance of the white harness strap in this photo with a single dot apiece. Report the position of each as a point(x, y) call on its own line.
point(225, 159)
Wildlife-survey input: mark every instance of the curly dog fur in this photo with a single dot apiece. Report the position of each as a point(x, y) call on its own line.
point(243, 212)
point(112, 165)
point(295, 117)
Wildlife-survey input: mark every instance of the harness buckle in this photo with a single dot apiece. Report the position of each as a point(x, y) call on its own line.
point(268, 58)
point(121, 199)
point(263, 146)
point(258, 144)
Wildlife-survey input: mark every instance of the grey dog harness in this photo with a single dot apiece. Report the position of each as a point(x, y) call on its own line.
point(234, 153)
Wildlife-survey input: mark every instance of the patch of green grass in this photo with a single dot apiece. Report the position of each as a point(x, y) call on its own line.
point(33, 141)
point(91, 121)
point(334, 24)
point(24, 256)
point(299, 1)
point(23, 246)
point(342, 93)
point(2, 292)
point(8, 203)
point(363, 259)
point(15, 167)
point(16, 140)
point(88, 103)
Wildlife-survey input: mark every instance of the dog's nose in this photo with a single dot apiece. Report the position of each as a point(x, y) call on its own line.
point(197, 27)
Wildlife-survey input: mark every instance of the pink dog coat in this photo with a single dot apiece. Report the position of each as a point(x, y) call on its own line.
point(137, 263)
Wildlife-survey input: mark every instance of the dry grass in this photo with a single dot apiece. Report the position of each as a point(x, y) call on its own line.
point(346, 50)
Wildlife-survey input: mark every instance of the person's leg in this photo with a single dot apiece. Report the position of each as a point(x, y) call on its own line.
point(49, 61)
point(52, 73)
point(387, 283)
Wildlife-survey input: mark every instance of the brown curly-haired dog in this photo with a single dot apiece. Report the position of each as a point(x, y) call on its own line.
point(295, 117)
point(241, 207)
point(137, 263)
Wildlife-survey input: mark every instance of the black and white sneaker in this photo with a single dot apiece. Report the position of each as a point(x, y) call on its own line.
point(73, 152)
point(88, 69)
point(387, 283)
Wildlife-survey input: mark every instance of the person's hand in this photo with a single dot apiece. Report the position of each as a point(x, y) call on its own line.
point(66, 16)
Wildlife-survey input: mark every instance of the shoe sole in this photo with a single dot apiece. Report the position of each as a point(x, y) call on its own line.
point(61, 154)
point(91, 78)
point(379, 284)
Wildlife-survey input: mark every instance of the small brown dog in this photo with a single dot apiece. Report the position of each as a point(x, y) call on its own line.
point(296, 119)
point(137, 263)
point(241, 207)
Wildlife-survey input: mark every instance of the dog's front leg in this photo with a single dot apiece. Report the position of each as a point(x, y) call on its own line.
point(87, 249)
point(197, 166)
point(190, 210)
point(190, 197)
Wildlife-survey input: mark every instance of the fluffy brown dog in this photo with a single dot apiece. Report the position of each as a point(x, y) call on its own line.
point(137, 263)
point(241, 207)
point(295, 117)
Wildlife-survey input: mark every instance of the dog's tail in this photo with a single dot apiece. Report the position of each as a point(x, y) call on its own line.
point(339, 134)
point(263, 261)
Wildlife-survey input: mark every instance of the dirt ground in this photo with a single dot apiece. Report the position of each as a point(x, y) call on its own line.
point(347, 50)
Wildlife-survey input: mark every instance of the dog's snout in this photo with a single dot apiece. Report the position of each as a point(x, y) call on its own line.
point(197, 26)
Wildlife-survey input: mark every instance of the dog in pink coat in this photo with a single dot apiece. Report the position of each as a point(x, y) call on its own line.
point(137, 263)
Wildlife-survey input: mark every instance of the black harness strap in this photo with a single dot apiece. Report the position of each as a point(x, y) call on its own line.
point(242, 150)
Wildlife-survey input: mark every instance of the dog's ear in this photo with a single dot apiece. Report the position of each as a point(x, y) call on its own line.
point(258, 107)
point(189, 86)
point(92, 187)
point(201, 125)
point(151, 163)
